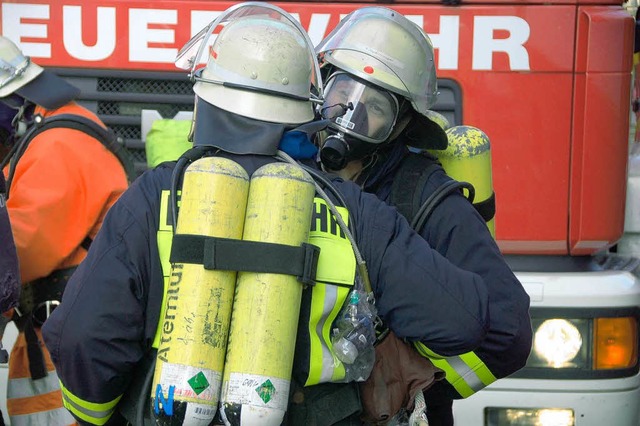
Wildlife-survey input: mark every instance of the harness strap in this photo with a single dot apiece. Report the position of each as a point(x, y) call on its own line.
point(86, 243)
point(251, 256)
point(76, 122)
point(406, 190)
point(37, 369)
point(105, 136)
point(435, 198)
point(487, 208)
point(413, 173)
point(41, 290)
point(37, 300)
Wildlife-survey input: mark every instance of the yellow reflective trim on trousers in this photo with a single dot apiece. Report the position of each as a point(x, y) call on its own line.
point(466, 373)
point(165, 239)
point(92, 412)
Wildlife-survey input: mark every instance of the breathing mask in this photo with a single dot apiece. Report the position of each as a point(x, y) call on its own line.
point(361, 118)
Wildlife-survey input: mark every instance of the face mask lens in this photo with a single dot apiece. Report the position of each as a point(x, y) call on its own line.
point(358, 109)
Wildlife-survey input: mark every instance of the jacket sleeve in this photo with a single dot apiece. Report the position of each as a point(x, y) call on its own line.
point(458, 232)
point(96, 335)
point(419, 293)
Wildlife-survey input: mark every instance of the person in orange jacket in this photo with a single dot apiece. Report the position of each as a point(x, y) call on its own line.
point(61, 181)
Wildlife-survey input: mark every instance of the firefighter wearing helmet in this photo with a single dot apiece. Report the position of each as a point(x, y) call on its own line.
point(380, 85)
point(380, 75)
point(61, 182)
point(182, 310)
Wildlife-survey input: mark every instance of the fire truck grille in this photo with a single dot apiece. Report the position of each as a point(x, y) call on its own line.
point(119, 97)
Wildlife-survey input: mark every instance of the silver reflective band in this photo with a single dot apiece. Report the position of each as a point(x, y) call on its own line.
point(26, 387)
point(57, 416)
point(466, 373)
point(14, 70)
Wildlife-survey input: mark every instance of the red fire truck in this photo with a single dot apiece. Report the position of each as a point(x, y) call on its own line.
point(547, 81)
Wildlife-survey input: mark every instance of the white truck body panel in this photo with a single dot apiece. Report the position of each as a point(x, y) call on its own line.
point(614, 402)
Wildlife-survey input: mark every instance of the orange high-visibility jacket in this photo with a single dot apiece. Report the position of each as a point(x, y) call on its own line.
point(63, 185)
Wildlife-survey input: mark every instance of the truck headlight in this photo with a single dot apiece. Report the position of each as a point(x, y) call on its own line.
point(557, 343)
point(583, 346)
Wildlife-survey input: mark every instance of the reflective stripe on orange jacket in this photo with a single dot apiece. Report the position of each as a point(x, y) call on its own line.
point(34, 402)
point(63, 185)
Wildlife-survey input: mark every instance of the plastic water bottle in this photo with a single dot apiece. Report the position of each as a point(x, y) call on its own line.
point(353, 338)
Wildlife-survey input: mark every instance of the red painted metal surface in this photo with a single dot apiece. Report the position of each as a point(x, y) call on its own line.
point(548, 83)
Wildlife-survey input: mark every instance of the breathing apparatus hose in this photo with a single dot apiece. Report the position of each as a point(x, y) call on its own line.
point(328, 185)
point(435, 198)
point(361, 264)
point(7, 157)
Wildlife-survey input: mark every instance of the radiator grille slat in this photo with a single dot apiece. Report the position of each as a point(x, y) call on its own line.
point(118, 97)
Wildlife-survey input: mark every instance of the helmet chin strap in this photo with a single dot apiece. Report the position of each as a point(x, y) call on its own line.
point(20, 122)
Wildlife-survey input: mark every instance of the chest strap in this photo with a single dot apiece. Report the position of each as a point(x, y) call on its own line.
point(252, 256)
point(37, 300)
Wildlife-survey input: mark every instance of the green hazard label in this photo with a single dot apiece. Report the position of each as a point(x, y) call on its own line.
point(266, 390)
point(198, 383)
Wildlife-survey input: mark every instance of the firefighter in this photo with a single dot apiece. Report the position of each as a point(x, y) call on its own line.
point(253, 90)
point(381, 82)
point(60, 184)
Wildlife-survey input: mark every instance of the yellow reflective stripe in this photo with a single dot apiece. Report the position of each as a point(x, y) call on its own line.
point(338, 368)
point(92, 412)
point(426, 352)
point(479, 368)
point(324, 309)
point(466, 373)
point(336, 265)
point(165, 239)
point(453, 377)
point(337, 262)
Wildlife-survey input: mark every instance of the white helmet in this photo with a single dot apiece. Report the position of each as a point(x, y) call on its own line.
point(382, 47)
point(21, 76)
point(262, 65)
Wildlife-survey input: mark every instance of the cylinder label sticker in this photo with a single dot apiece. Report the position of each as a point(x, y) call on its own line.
point(256, 390)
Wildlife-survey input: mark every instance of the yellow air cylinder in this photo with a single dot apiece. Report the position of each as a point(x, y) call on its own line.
point(468, 159)
point(197, 307)
point(257, 372)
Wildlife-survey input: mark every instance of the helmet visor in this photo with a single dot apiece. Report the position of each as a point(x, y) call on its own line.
point(359, 109)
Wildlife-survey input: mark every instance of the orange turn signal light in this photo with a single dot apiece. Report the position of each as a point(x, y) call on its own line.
point(615, 343)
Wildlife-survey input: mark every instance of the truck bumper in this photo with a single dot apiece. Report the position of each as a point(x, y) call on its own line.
point(612, 402)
